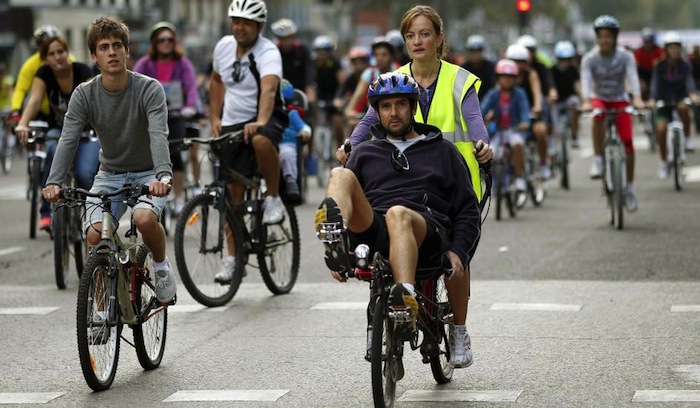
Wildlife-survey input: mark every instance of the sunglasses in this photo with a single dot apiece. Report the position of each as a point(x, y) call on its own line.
point(237, 72)
point(399, 161)
point(163, 40)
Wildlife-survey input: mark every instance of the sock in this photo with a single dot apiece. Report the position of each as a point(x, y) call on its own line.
point(630, 187)
point(103, 314)
point(599, 160)
point(157, 266)
point(409, 287)
point(461, 328)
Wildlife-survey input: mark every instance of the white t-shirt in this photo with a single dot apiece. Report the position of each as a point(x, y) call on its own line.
point(241, 98)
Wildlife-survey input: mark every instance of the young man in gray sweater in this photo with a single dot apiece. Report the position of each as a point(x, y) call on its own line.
point(129, 114)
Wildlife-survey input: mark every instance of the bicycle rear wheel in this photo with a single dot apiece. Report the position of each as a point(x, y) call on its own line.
point(80, 249)
point(149, 336)
point(442, 313)
point(279, 261)
point(564, 157)
point(5, 152)
point(384, 359)
point(200, 246)
point(677, 162)
point(98, 327)
point(61, 245)
point(498, 187)
point(34, 186)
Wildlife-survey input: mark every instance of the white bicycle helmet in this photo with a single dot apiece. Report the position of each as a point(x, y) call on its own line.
point(517, 52)
point(323, 42)
point(476, 42)
point(527, 41)
point(254, 10)
point(44, 32)
point(283, 27)
point(395, 38)
point(564, 49)
point(672, 37)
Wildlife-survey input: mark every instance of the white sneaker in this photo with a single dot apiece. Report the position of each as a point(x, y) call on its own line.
point(274, 210)
point(631, 201)
point(545, 172)
point(165, 287)
point(689, 144)
point(663, 170)
point(179, 204)
point(225, 274)
point(596, 170)
point(520, 184)
point(461, 347)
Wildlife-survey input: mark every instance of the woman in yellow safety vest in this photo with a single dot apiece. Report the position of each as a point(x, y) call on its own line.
point(448, 98)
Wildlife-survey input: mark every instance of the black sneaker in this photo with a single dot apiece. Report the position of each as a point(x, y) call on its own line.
point(330, 229)
point(404, 308)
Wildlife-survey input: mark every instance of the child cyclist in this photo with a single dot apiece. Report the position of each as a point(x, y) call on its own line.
point(508, 111)
point(288, 147)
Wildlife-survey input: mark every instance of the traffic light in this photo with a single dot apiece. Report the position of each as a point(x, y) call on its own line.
point(523, 6)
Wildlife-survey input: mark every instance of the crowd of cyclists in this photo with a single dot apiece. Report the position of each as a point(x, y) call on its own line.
point(395, 101)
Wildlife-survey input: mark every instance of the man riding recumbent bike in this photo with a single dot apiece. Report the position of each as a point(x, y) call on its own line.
point(403, 216)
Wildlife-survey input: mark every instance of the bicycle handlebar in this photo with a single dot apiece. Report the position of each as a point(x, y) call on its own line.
point(131, 190)
point(609, 112)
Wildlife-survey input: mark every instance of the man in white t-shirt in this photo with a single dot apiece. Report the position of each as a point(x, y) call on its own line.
point(247, 69)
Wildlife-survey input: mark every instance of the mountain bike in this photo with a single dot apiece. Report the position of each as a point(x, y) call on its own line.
point(614, 167)
point(559, 145)
point(674, 141)
point(35, 169)
point(117, 288)
point(385, 344)
point(212, 226)
point(502, 173)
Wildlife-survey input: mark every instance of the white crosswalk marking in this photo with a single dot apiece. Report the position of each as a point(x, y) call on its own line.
point(666, 396)
point(11, 250)
point(685, 308)
point(27, 310)
point(340, 306)
point(13, 192)
point(692, 174)
point(461, 396)
point(536, 307)
point(226, 395)
point(28, 397)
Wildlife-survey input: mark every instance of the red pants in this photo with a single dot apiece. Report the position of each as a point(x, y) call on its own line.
point(623, 121)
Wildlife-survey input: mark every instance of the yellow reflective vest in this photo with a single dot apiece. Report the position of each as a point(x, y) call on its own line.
point(453, 83)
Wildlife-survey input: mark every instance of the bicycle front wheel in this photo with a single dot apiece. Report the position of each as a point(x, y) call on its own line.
point(384, 360)
point(564, 157)
point(149, 336)
point(279, 261)
point(202, 237)
point(677, 162)
point(34, 186)
point(98, 326)
point(61, 244)
point(616, 199)
point(442, 313)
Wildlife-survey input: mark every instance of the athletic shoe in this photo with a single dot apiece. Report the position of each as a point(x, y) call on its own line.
point(596, 170)
point(45, 224)
point(663, 170)
point(224, 276)
point(630, 201)
point(404, 306)
point(165, 287)
point(545, 172)
point(330, 229)
point(689, 144)
point(293, 192)
point(460, 347)
point(274, 210)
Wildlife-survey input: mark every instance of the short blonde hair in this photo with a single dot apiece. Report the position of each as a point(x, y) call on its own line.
point(429, 13)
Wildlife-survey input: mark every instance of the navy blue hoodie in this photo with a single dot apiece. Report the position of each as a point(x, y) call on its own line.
point(437, 184)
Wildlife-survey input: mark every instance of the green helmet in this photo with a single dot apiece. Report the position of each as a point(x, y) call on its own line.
point(162, 24)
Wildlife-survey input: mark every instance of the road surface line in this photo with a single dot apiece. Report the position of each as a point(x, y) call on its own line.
point(28, 397)
point(688, 373)
point(692, 174)
point(666, 396)
point(27, 310)
point(11, 250)
point(462, 396)
point(185, 308)
point(340, 306)
point(537, 307)
point(226, 395)
point(685, 308)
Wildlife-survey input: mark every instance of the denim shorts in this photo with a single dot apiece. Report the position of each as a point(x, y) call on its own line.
point(110, 181)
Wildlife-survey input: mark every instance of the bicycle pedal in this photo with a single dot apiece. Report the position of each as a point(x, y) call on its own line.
point(330, 232)
point(400, 316)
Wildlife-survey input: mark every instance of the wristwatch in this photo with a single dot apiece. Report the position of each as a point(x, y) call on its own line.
point(166, 179)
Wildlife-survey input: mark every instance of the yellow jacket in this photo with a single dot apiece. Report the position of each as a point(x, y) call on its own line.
point(453, 83)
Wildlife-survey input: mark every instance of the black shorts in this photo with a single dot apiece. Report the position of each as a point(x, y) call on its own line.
point(377, 238)
point(240, 156)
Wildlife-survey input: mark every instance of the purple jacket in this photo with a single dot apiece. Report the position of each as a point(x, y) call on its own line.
point(436, 184)
point(183, 72)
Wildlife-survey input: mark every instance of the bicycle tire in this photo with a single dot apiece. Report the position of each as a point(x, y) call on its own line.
point(197, 265)
point(149, 336)
point(564, 157)
point(677, 163)
point(35, 182)
point(61, 245)
point(383, 357)
point(617, 201)
point(498, 185)
point(444, 319)
point(98, 342)
point(274, 260)
point(80, 250)
point(6, 152)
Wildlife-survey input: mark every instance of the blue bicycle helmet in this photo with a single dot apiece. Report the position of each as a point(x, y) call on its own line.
point(392, 84)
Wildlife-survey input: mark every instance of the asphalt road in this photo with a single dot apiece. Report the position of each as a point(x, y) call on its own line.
point(565, 312)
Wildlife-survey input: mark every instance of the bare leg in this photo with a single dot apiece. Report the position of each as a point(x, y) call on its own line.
point(344, 188)
point(540, 132)
point(518, 160)
point(407, 230)
point(629, 162)
point(661, 129)
point(458, 293)
point(268, 163)
point(598, 136)
point(152, 232)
